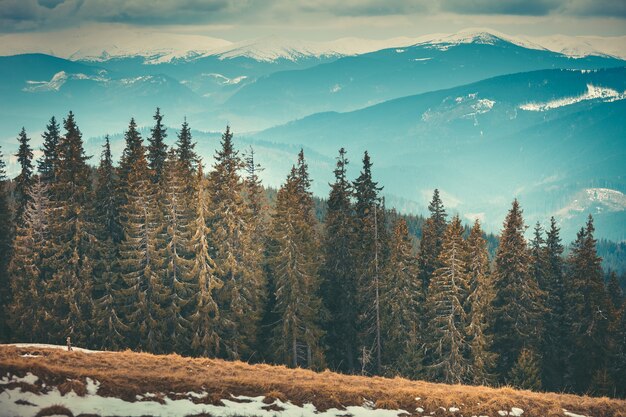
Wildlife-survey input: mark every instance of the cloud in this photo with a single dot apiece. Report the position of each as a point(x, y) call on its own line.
point(41, 15)
point(497, 7)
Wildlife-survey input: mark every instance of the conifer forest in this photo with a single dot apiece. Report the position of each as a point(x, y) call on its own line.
point(163, 252)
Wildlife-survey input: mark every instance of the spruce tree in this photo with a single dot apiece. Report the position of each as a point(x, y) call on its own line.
point(230, 241)
point(5, 249)
point(108, 322)
point(47, 165)
point(74, 240)
point(517, 304)
point(432, 239)
point(339, 283)
point(587, 308)
point(141, 261)
point(27, 311)
point(401, 301)
point(371, 246)
point(446, 344)
point(295, 264)
point(25, 179)
point(178, 252)
point(205, 314)
point(555, 340)
point(157, 149)
point(479, 309)
point(526, 374)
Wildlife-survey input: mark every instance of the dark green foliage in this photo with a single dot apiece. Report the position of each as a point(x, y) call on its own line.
point(518, 306)
point(401, 300)
point(157, 149)
point(526, 374)
point(587, 305)
point(339, 284)
point(432, 239)
point(48, 164)
point(24, 180)
point(6, 233)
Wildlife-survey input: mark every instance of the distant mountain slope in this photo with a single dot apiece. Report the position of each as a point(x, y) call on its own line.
point(542, 136)
point(354, 82)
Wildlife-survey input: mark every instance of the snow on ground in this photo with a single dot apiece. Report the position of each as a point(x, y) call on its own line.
point(593, 93)
point(92, 403)
point(44, 346)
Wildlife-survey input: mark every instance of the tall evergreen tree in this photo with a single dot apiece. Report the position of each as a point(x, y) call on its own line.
point(157, 149)
point(141, 261)
point(205, 313)
point(47, 165)
point(369, 227)
point(230, 238)
point(432, 239)
point(446, 344)
point(5, 249)
point(587, 310)
point(555, 340)
point(339, 284)
point(401, 301)
point(526, 374)
point(28, 312)
point(517, 303)
point(295, 263)
point(107, 316)
point(24, 180)
point(71, 281)
point(479, 309)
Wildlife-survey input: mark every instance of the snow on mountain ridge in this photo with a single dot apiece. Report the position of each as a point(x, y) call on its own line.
point(592, 93)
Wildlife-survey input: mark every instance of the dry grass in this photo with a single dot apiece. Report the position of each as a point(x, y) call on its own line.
point(126, 374)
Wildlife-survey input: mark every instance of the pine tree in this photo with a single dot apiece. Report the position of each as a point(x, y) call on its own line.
point(205, 314)
point(401, 301)
point(588, 306)
point(108, 285)
point(526, 374)
point(614, 291)
point(27, 310)
point(47, 165)
point(555, 337)
point(446, 344)
point(479, 309)
point(157, 149)
point(24, 180)
point(5, 249)
point(230, 242)
point(178, 252)
point(141, 262)
point(339, 284)
point(74, 241)
point(369, 235)
point(432, 240)
point(295, 263)
point(517, 304)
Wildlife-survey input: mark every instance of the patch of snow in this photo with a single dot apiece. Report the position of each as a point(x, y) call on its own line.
point(95, 404)
point(223, 80)
point(593, 93)
point(422, 59)
point(503, 413)
point(454, 409)
point(57, 81)
point(399, 51)
point(92, 386)
point(419, 409)
point(516, 412)
point(29, 378)
point(570, 414)
point(28, 355)
point(46, 346)
point(335, 88)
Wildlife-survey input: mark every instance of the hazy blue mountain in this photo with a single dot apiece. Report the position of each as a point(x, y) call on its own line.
point(553, 138)
point(359, 81)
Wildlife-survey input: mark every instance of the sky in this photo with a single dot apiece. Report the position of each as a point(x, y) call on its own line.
point(317, 20)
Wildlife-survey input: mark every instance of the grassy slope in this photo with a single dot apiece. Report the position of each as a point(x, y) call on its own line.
point(126, 374)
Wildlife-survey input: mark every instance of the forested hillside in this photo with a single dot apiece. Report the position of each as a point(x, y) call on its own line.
point(163, 252)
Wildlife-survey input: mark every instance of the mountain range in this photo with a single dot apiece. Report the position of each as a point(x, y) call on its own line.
point(481, 115)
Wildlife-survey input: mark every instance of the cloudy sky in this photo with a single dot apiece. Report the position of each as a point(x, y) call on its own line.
point(318, 19)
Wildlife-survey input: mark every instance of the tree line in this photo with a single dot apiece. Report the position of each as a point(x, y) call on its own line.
point(160, 254)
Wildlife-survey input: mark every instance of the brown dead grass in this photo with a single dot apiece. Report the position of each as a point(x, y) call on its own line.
point(126, 374)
